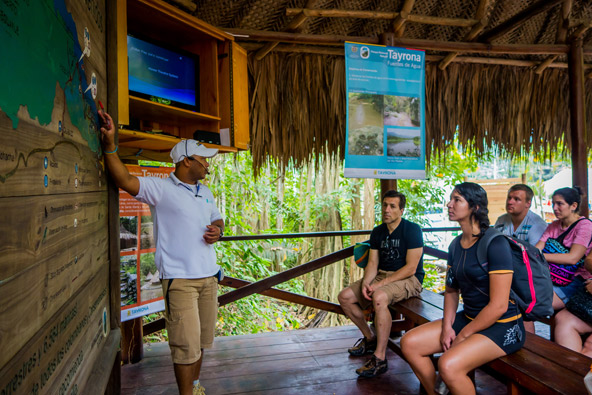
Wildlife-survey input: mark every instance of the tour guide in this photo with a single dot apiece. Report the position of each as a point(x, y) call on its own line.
point(186, 224)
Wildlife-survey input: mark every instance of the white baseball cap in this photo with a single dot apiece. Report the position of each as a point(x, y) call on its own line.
point(186, 148)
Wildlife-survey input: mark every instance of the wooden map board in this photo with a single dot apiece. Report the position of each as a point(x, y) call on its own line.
point(54, 275)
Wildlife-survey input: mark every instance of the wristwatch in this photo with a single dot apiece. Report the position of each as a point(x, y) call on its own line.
point(221, 232)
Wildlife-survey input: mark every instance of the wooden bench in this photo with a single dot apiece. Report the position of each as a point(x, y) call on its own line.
point(541, 366)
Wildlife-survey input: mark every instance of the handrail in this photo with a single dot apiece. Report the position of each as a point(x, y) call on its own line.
point(272, 236)
point(265, 286)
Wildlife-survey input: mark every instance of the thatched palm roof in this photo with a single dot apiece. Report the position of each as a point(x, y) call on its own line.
point(510, 87)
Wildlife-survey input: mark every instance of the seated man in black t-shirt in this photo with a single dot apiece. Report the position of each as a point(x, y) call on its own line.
point(394, 272)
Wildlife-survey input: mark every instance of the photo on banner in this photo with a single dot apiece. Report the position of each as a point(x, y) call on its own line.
point(141, 291)
point(385, 128)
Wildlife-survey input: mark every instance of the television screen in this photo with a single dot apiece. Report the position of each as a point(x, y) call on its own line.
point(161, 75)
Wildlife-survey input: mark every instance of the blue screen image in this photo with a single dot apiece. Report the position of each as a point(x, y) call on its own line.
point(156, 71)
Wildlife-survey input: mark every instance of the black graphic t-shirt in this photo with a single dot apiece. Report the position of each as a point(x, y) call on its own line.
point(465, 275)
point(392, 248)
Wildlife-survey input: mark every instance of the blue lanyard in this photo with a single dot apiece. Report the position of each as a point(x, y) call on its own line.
point(189, 189)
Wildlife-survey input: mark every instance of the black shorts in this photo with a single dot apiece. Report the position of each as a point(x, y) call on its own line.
point(509, 336)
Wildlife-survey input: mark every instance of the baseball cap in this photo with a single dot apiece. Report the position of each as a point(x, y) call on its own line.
point(186, 148)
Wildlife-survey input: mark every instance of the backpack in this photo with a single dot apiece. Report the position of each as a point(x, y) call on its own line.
point(532, 289)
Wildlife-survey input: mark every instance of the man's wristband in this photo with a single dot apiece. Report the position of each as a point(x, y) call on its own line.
point(221, 232)
point(112, 152)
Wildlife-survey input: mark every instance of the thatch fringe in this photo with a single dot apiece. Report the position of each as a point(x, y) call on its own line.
point(298, 108)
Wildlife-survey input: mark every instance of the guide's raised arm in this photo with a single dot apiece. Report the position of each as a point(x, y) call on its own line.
point(123, 179)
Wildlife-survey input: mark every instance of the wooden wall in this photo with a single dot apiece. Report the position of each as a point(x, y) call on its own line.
point(55, 310)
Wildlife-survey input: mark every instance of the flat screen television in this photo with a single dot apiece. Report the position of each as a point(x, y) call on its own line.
point(163, 75)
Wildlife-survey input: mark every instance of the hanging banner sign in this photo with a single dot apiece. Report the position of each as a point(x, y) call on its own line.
point(385, 130)
point(141, 291)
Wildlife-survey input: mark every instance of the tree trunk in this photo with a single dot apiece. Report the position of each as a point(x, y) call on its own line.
point(355, 273)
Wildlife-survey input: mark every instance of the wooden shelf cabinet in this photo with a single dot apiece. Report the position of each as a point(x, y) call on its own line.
point(153, 146)
point(223, 79)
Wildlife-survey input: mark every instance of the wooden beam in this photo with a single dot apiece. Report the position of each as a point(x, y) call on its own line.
point(561, 35)
point(399, 23)
point(480, 15)
point(116, 18)
point(287, 296)
point(426, 19)
point(518, 20)
point(289, 48)
point(578, 137)
point(447, 46)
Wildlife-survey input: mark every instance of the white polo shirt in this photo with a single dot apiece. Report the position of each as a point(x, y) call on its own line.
point(180, 214)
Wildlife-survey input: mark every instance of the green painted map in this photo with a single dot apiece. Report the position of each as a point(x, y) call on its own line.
point(41, 58)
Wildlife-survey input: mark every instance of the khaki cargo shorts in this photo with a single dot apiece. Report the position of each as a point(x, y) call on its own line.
point(396, 291)
point(191, 310)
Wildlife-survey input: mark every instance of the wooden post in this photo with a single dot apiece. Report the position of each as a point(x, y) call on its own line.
point(387, 185)
point(578, 121)
point(132, 347)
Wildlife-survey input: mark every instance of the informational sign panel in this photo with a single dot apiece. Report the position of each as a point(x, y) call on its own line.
point(141, 291)
point(385, 130)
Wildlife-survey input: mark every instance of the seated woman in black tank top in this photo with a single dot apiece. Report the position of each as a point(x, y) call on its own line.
point(490, 325)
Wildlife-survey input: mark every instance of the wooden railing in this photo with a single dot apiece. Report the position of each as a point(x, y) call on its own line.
point(265, 286)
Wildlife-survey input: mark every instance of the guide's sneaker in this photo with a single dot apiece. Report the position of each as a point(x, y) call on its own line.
point(373, 367)
point(199, 390)
point(362, 347)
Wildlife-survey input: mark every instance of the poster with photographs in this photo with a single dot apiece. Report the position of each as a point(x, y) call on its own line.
point(141, 291)
point(385, 129)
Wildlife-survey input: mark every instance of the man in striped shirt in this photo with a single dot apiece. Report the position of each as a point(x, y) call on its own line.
point(519, 221)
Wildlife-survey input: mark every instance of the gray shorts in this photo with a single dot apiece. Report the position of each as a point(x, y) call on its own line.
point(396, 291)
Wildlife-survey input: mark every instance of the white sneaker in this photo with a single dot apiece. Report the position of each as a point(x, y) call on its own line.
point(588, 381)
point(198, 389)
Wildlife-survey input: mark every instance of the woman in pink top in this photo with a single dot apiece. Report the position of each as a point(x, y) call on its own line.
point(573, 232)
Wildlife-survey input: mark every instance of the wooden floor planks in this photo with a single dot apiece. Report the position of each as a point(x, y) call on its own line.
point(311, 361)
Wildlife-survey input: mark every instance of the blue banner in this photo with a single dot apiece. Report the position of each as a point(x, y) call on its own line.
point(385, 130)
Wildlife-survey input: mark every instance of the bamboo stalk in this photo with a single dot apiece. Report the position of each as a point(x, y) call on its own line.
point(426, 19)
point(262, 35)
point(399, 23)
point(186, 4)
point(326, 13)
point(561, 34)
point(469, 37)
point(518, 49)
point(293, 26)
point(581, 30)
point(480, 15)
point(518, 20)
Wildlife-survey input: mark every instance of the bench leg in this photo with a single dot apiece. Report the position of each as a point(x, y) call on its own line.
point(514, 389)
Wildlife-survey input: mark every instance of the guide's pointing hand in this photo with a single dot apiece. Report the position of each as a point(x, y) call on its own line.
point(107, 130)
